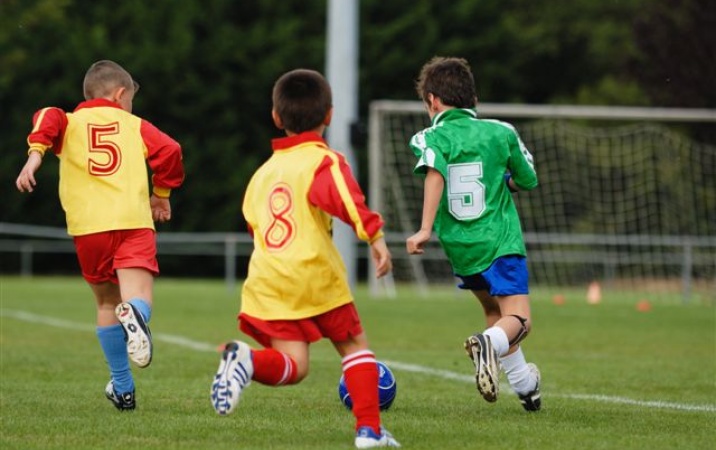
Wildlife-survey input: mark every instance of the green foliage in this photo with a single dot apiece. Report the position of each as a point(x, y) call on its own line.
point(520, 50)
point(207, 69)
point(613, 377)
point(206, 72)
point(677, 50)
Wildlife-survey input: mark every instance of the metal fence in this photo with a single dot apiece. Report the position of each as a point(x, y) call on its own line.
point(685, 254)
point(27, 241)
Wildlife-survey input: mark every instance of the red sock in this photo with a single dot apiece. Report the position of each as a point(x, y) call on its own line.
point(273, 368)
point(361, 375)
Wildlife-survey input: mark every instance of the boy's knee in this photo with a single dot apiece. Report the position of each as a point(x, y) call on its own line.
point(300, 375)
point(525, 328)
point(301, 371)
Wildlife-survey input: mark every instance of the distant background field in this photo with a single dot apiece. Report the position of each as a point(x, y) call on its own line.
point(613, 377)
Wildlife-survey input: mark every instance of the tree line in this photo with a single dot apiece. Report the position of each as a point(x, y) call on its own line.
point(207, 69)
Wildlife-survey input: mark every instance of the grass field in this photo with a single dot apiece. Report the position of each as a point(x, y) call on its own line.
point(613, 377)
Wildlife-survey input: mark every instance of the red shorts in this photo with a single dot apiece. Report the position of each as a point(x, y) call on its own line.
point(101, 254)
point(337, 325)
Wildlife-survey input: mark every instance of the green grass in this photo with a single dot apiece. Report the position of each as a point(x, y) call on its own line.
point(613, 377)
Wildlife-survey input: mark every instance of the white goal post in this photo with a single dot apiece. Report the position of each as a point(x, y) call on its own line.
point(627, 197)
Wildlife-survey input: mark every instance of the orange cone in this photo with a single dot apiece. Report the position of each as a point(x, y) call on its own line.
point(558, 299)
point(643, 305)
point(594, 293)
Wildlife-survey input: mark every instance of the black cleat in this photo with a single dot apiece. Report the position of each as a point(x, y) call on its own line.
point(531, 401)
point(123, 402)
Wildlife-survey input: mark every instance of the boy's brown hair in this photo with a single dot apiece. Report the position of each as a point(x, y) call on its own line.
point(302, 98)
point(450, 79)
point(103, 77)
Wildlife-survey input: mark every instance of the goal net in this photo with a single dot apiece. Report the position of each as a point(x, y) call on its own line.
point(626, 200)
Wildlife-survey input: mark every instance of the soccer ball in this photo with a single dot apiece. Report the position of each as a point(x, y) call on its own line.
point(387, 388)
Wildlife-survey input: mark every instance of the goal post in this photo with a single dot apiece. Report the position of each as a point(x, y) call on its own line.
point(627, 197)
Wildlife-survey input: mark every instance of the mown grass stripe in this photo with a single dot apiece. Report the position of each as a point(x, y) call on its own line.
point(414, 368)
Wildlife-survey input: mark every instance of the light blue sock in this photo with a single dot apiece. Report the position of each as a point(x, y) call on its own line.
point(143, 307)
point(111, 339)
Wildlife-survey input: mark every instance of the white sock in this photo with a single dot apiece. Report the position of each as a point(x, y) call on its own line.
point(499, 340)
point(518, 374)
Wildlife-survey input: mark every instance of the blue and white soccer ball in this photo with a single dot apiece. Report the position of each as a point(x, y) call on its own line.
point(387, 388)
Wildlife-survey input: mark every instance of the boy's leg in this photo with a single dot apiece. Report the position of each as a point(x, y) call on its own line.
point(515, 324)
point(501, 342)
point(490, 307)
point(286, 362)
point(135, 263)
point(135, 312)
point(483, 349)
point(360, 371)
point(502, 291)
point(524, 378)
point(516, 320)
point(111, 338)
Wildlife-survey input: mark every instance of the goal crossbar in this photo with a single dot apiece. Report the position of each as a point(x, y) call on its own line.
point(518, 110)
point(587, 154)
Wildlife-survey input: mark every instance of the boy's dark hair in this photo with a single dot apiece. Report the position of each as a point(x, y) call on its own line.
point(449, 79)
point(302, 98)
point(104, 76)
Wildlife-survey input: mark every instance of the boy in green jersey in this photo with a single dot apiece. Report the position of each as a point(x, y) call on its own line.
point(471, 167)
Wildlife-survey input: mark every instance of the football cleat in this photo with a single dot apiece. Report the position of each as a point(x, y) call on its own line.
point(136, 334)
point(123, 402)
point(235, 371)
point(487, 366)
point(367, 438)
point(531, 401)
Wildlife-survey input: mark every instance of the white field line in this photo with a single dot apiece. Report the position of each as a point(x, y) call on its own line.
point(592, 397)
point(445, 374)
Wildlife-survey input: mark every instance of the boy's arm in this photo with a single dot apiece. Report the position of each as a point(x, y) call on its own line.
point(161, 208)
point(381, 257)
point(335, 191)
point(164, 156)
point(522, 172)
point(48, 127)
point(433, 191)
point(26, 179)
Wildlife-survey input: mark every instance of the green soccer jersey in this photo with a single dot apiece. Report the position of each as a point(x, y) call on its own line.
point(477, 220)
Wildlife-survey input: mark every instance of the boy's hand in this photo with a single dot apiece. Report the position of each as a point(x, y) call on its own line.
point(161, 209)
point(414, 244)
point(26, 180)
point(381, 258)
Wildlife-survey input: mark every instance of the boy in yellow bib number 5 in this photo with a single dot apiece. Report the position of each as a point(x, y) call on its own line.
point(104, 150)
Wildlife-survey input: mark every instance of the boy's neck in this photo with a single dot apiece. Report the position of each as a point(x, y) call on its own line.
point(318, 130)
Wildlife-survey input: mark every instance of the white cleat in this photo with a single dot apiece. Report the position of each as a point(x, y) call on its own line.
point(367, 438)
point(136, 334)
point(235, 371)
point(487, 365)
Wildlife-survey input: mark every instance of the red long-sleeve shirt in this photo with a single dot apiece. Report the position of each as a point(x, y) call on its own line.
point(295, 270)
point(104, 151)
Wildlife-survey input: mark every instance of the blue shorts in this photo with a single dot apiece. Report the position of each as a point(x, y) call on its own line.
point(506, 276)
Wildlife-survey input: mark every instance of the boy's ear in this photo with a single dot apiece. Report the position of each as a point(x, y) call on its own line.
point(276, 119)
point(118, 93)
point(329, 116)
point(434, 102)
